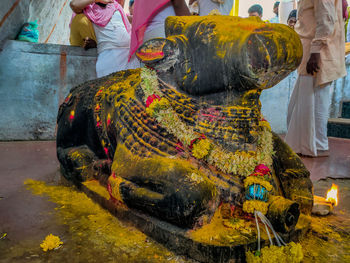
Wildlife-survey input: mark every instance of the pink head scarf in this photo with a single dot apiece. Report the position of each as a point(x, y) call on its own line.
point(102, 15)
point(144, 11)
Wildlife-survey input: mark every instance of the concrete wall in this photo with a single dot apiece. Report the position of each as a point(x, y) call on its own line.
point(34, 79)
point(53, 18)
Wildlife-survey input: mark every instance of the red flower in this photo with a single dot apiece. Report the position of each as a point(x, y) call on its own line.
point(261, 168)
point(179, 147)
point(151, 98)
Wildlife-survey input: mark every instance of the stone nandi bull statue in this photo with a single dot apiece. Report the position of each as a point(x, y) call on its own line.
point(185, 134)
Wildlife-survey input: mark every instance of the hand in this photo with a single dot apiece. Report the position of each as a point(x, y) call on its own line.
point(312, 65)
point(89, 43)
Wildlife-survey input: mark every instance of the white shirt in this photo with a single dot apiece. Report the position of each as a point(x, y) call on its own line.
point(206, 6)
point(159, 19)
point(113, 35)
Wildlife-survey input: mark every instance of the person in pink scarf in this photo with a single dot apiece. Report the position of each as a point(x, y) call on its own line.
point(149, 17)
point(112, 30)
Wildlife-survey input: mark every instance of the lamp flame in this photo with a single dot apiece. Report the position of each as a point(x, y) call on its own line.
point(332, 195)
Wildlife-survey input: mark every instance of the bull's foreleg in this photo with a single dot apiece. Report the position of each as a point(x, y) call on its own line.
point(293, 175)
point(170, 189)
point(80, 164)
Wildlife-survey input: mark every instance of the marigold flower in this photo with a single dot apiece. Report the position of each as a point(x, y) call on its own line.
point(201, 148)
point(51, 242)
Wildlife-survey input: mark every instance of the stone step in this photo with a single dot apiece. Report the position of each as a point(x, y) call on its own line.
point(338, 127)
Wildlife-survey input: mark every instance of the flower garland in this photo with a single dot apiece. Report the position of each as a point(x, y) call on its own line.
point(257, 187)
point(240, 162)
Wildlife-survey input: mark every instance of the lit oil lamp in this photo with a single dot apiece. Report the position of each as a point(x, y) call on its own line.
point(323, 206)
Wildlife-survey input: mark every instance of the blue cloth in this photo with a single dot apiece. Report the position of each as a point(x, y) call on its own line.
point(256, 192)
point(29, 32)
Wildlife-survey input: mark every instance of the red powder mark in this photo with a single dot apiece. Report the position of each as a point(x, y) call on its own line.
point(150, 55)
point(151, 98)
point(211, 114)
point(108, 122)
point(59, 14)
point(232, 208)
point(179, 146)
point(63, 69)
point(71, 117)
point(113, 175)
point(98, 124)
point(106, 150)
point(109, 189)
point(68, 97)
point(9, 12)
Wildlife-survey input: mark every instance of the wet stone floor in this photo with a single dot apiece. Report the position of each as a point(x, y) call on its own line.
point(34, 203)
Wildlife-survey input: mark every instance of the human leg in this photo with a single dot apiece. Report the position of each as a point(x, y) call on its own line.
point(322, 100)
point(81, 29)
point(301, 118)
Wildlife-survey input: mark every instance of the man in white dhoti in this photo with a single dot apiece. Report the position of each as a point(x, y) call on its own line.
point(321, 29)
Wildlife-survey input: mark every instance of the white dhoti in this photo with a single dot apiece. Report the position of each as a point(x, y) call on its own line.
point(307, 118)
point(113, 60)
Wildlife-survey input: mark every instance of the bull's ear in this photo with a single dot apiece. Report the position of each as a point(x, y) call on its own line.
point(157, 50)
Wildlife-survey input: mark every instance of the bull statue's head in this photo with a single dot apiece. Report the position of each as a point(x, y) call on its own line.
point(214, 54)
